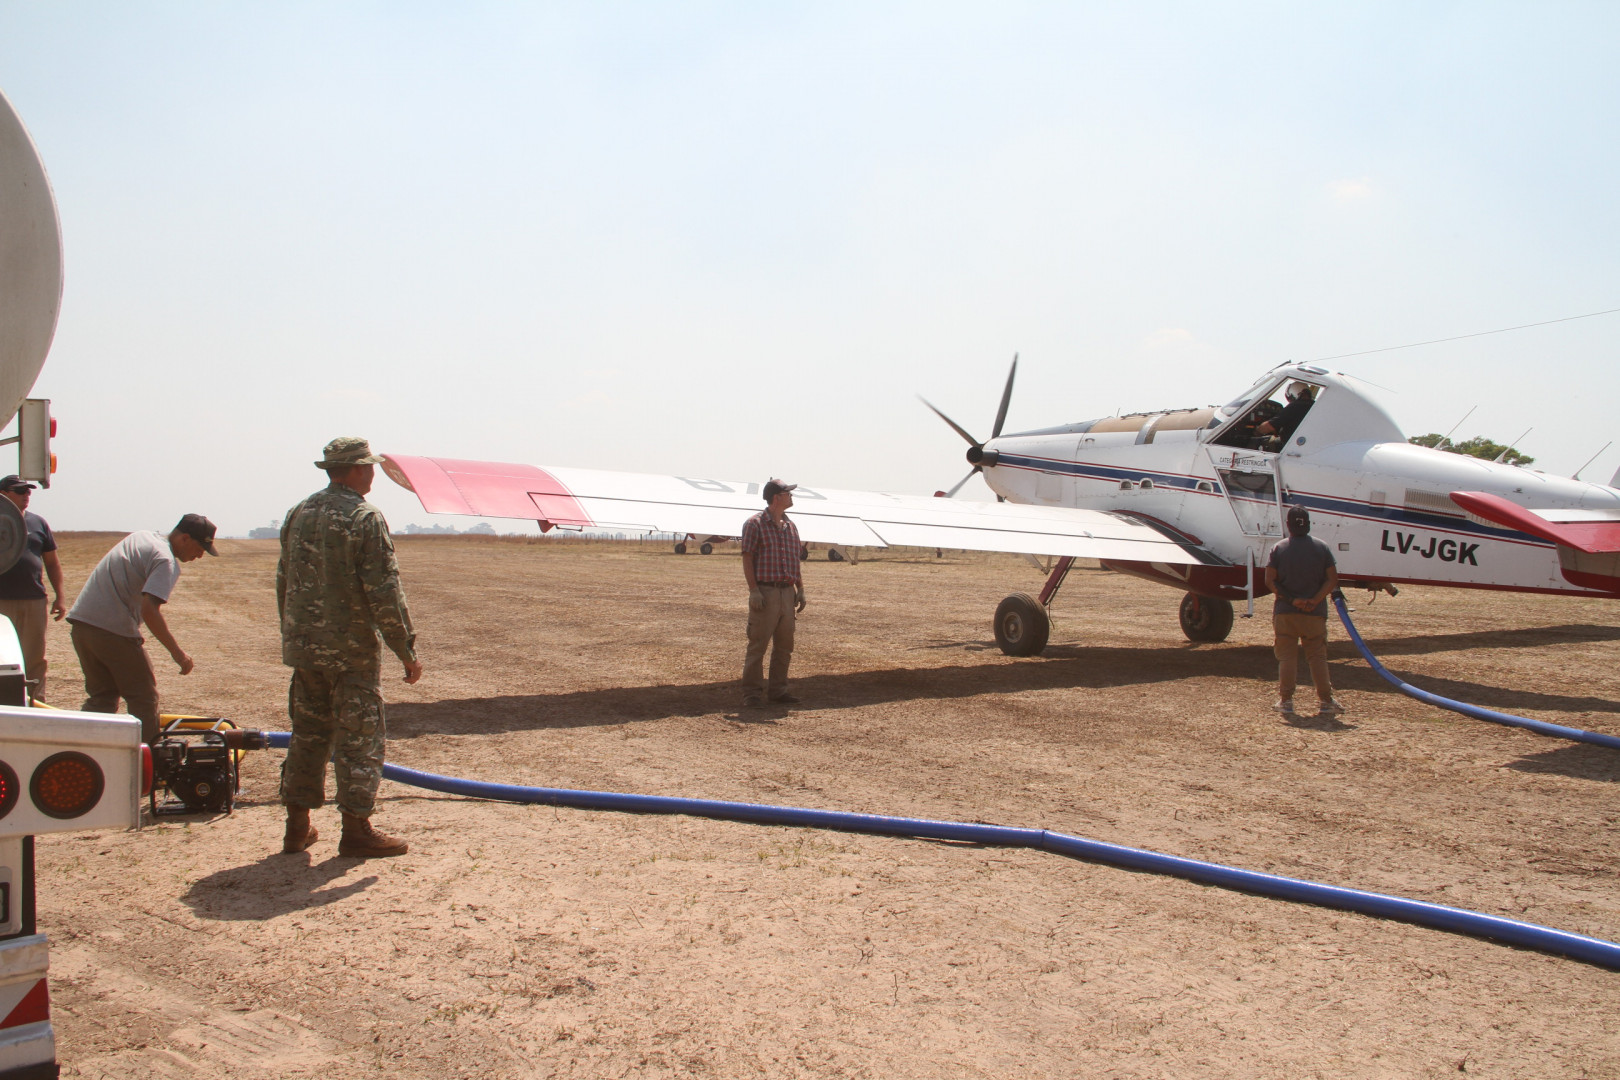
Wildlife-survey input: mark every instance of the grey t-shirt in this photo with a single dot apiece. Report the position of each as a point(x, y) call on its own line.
point(1302, 564)
point(111, 597)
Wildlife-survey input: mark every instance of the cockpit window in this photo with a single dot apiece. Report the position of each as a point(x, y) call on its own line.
point(1247, 398)
point(1262, 420)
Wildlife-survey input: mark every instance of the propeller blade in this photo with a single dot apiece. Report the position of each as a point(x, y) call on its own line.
point(954, 425)
point(1006, 399)
point(951, 494)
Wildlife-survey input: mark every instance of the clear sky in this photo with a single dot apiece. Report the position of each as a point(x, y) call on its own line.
point(735, 239)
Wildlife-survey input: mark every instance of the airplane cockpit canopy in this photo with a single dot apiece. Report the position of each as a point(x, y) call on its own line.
point(1265, 416)
point(1248, 399)
point(1296, 405)
point(1336, 410)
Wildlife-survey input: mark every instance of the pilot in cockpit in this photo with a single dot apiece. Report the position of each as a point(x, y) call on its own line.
point(1273, 432)
point(1301, 397)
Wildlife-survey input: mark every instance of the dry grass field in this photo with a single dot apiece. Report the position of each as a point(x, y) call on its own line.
point(536, 942)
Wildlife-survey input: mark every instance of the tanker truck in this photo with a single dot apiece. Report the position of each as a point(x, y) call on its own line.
point(59, 771)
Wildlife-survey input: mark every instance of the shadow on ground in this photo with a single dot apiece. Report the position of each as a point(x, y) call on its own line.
point(1582, 761)
point(275, 885)
point(1062, 668)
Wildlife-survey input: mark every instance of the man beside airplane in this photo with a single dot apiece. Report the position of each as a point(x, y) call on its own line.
point(771, 556)
point(1301, 573)
point(127, 590)
point(338, 593)
point(22, 588)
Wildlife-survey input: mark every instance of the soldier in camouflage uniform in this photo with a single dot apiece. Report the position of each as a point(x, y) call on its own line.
point(337, 588)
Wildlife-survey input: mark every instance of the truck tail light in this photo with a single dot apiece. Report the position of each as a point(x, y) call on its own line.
point(8, 788)
point(67, 785)
point(146, 770)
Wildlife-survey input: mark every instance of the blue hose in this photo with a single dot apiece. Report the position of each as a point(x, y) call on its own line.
point(1528, 935)
point(1540, 727)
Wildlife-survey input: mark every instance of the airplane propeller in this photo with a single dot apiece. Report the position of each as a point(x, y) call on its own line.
point(977, 455)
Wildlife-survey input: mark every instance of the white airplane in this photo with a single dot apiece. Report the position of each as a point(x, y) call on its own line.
point(1190, 498)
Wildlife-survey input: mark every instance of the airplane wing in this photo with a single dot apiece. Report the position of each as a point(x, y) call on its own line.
point(597, 499)
point(1592, 531)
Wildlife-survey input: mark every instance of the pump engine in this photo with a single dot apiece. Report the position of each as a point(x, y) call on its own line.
point(196, 762)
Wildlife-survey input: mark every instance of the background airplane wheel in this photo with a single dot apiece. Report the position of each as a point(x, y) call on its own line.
point(706, 549)
point(1203, 619)
point(680, 548)
point(833, 555)
point(1022, 626)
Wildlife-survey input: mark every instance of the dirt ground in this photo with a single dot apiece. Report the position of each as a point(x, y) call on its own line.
point(536, 942)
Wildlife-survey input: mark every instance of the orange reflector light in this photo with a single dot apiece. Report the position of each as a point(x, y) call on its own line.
point(8, 788)
point(53, 459)
point(67, 785)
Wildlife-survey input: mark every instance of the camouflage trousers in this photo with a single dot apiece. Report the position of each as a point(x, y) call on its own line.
point(337, 716)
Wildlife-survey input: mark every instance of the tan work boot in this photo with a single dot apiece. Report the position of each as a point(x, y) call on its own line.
point(300, 833)
point(361, 841)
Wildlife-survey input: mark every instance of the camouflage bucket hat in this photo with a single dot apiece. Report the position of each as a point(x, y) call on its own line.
point(345, 451)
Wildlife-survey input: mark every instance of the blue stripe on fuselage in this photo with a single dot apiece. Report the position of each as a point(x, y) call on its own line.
point(1107, 472)
point(1395, 515)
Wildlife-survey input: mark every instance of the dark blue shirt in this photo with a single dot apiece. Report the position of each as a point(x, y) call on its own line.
point(1302, 564)
point(26, 580)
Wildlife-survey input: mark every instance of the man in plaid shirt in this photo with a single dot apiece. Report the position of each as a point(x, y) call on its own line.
point(771, 549)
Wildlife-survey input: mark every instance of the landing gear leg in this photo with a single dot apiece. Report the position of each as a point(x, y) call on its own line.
point(1022, 624)
point(1054, 580)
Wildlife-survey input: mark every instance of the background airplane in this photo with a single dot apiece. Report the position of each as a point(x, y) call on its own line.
point(1193, 498)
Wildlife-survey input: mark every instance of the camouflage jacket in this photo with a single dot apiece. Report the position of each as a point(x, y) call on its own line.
point(337, 585)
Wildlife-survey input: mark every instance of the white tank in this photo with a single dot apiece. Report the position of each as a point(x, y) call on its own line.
point(30, 263)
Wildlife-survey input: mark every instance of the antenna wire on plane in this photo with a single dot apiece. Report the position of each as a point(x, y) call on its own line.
point(1461, 337)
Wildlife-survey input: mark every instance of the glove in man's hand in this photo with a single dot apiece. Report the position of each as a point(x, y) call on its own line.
point(756, 600)
point(799, 600)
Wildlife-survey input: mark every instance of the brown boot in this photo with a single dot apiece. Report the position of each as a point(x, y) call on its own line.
point(361, 841)
point(300, 833)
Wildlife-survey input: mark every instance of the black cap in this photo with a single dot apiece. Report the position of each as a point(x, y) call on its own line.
point(774, 487)
point(15, 483)
point(1299, 520)
point(199, 529)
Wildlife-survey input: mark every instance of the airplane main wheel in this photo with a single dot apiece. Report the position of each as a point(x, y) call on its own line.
point(1203, 619)
point(680, 548)
point(706, 549)
point(834, 555)
point(1022, 625)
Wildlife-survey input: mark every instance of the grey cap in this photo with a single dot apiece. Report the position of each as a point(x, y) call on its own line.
point(347, 450)
point(774, 487)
